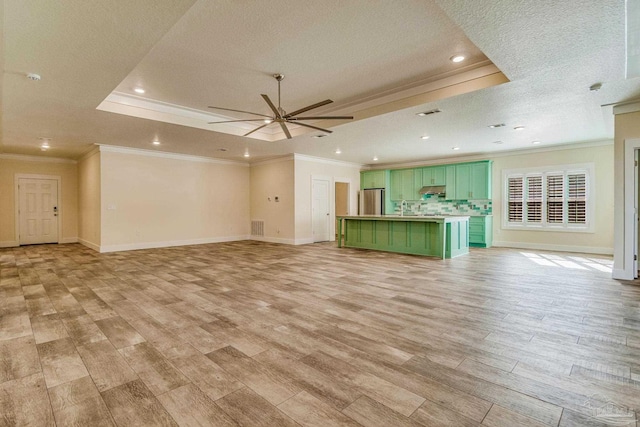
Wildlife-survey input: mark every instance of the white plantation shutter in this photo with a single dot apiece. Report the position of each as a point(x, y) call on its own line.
point(577, 198)
point(515, 199)
point(534, 199)
point(555, 198)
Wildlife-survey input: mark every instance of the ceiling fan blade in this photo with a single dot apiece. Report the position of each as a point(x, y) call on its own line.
point(313, 127)
point(322, 118)
point(258, 128)
point(239, 111)
point(286, 131)
point(310, 107)
point(273, 107)
point(232, 121)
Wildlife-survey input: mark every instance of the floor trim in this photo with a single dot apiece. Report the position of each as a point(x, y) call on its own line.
point(560, 248)
point(154, 245)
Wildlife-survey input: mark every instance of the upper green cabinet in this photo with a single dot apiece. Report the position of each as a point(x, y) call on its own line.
point(472, 181)
point(373, 179)
point(403, 185)
point(435, 175)
point(463, 181)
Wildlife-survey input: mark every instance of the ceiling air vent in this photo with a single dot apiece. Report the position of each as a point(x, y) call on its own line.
point(427, 113)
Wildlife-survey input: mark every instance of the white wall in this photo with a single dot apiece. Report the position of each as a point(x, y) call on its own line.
point(149, 199)
point(271, 179)
point(89, 200)
point(306, 168)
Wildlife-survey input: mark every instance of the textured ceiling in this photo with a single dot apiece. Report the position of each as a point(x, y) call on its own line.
point(198, 53)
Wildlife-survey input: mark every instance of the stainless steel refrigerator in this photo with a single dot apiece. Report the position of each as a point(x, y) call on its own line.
point(372, 201)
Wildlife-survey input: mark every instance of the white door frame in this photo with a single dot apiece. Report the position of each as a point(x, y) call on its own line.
point(352, 207)
point(16, 193)
point(627, 273)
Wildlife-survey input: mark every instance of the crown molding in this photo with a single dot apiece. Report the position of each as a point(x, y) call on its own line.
point(273, 160)
point(25, 158)
point(167, 155)
point(93, 150)
point(491, 155)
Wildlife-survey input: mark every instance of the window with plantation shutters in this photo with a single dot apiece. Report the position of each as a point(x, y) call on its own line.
point(577, 198)
point(515, 199)
point(534, 199)
point(555, 198)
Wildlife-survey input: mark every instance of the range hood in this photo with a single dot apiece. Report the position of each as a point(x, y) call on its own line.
point(432, 189)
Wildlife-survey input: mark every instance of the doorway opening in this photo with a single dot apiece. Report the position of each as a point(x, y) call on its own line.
point(37, 215)
point(341, 202)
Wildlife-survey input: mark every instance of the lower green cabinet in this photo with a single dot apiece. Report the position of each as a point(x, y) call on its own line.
point(481, 231)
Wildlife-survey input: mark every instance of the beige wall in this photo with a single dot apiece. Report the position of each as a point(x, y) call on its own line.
point(89, 200)
point(154, 201)
point(305, 170)
point(268, 180)
point(600, 241)
point(68, 196)
point(627, 126)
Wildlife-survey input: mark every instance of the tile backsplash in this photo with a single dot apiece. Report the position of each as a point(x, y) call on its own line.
point(435, 205)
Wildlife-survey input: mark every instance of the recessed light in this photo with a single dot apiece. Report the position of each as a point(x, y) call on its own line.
point(427, 113)
point(222, 149)
point(497, 142)
point(518, 128)
point(375, 158)
point(455, 148)
point(322, 135)
point(424, 137)
point(138, 90)
point(535, 142)
point(156, 142)
point(595, 87)
point(457, 58)
point(35, 77)
point(338, 151)
point(267, 121)
point(246, 154)
point(499, 125)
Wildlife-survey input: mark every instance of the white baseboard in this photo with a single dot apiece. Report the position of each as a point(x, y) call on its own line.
point(620, 274)
point(154, 245)
point(90, 245)
point(273, 240)
point(560, 248)
point(68, 240)
point(304, 241)
point(9, 244)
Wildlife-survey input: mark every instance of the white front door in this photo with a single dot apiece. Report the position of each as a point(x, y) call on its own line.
point(38, 210)
point(320, 210)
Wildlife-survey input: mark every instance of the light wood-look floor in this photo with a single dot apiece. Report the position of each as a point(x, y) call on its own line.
point(257, 334)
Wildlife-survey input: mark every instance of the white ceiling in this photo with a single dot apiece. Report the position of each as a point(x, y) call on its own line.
point(383, 61)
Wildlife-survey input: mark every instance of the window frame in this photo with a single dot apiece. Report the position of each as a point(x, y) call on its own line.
point(588, 169)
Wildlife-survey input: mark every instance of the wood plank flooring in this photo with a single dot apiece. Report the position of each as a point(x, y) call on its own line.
point(258, 334)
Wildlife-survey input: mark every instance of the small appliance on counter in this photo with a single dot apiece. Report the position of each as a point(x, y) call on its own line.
point(372, 201)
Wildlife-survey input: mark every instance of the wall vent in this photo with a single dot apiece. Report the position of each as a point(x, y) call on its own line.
point(428, 113)
point(257, 228)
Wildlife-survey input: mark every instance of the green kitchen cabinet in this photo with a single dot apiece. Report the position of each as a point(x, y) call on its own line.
point(403, 185)
point(373, 179)
point(434, 175)
point(450, 182)
point(473, 181)
point(481, 231)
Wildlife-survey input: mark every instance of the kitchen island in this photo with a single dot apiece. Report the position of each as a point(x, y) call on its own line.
point(438, 236)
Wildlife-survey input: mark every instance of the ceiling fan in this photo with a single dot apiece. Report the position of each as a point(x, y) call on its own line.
point(281, 117)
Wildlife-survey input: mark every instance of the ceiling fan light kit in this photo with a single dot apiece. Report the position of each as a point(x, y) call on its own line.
point(281, 117)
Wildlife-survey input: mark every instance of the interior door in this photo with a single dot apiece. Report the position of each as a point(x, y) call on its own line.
point(320, 210)
point(38, 210)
